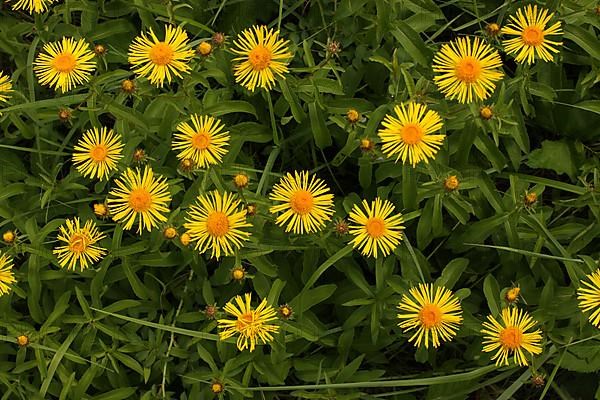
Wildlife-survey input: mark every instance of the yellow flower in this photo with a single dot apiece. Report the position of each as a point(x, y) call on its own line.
point(64, 65)
point(9, 236)
point(376, 231)
point(430, 311)
point(185, 238)
point(33, 6)
point(451, 183)
point(101, 210)
point(241, 180)
point(306, 202)
point(512, 294)
point(169, 232)
point(529, 27)
point(468, 70)
point(204, 49)
point(589, 297)
point(205, 143)
point(216, 223)
point(250, 325)
point(97, 153)
point(511, 336)
point(22, 340)
point(80, 247)
point(140, 196)
point(7, 277)
point(262, 56)
point(486, 112)
point(5, 87)
point(238, 273)
point(408, 135)
point(158, 60)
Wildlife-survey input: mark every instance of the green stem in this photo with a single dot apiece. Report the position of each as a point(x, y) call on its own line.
point(273, 123)
point(379, 279)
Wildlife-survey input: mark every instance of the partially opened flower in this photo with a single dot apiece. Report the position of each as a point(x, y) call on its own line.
point(64, 65)
point(409, 135)
point(467, 70)
point(430, 312)
point(161, 60)
point(32, 6)
point(204, 142)
point(262, 56)
point(7, 276)
point(589, 297)
point(529, 33)
point(250, 325)
point(80, 247)
point(5, 87)
point(97, 153)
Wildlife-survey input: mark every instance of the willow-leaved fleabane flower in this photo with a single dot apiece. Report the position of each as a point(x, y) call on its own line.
point(64, 65)
point(216, 222)
point(204, 142)
point(33, 6)
point(5, 87)
point(409, 134)
point(304, 201)
point(161, 60)
point(589, 297)
point(430, 311)
point(80, 247)
point(376, 230)
point(510, 337)
point(251, 325)
point(7, 276)
point(140, 196)
point(262, 56)
point(467, 69)
point(529, 35)
point(97, 153)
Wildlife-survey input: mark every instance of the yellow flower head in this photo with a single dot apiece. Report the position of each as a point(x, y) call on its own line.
point(451, 183)
point(80, 248)
point(65, 64)
point(431, 311)
point(159, 60)
point(204, 49)
point(215, 222)
point(511, 336)
point(262, 55)
point(185, 239)
point(9, 237)
point(101, 210)
point(33, 6)
point(5, 87)
point(97, 153)
point(205, 143)
point(512, 294)
point(241, 181)
point(468, 70)
point(140, 196)
point(7, 277)
point(22, 340)
point(530, 41)
point(408, 135)
point(589, 297)
point(169, 232)
point(375, 230)
point(305, 200)
point(250, 325)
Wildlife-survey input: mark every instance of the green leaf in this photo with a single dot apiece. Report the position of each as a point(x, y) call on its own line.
point(547, 157)
point(491, 290)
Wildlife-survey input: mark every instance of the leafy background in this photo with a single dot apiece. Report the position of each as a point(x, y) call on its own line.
point(479, 241)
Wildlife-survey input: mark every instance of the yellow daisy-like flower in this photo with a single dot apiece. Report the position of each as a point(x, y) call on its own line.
point(262, 57)
point(33, 6)
point(431, 311)
point(80, 248)
point(205, 142)
point(306, 202)
point(468, 70)
point(215, 222)
point(511, 336)
point(529, 27)
point(589, 297)
point(65, 64)
point(5, 87)
point(144, 197)
point(7, 277)
point(159, 60)
point(376, 231)
point(408, 135)
point(97, 153)
point(250, 325)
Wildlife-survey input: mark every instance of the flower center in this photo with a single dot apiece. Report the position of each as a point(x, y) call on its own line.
point(532, 36)
point(430, 316)
point(375, 227)
point(245, 320)
point(217, 224)
point(78, 243)
point(140, 200)
point(301, 202)
point(64, 62)
point(511, 337)
point(201, 140)
point(161, 53)
point(468, 69)
point(99, 153)
point(260, 58)
point(411, 134)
